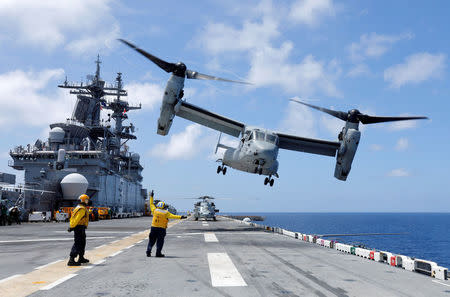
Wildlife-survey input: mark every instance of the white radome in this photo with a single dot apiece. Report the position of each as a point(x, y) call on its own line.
point(73, 185)
point(56, 135)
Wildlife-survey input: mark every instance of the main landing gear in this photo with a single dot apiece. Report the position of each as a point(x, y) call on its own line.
point(221, 168)
point(269, 180)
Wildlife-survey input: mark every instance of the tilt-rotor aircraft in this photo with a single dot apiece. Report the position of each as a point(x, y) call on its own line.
point(257, 151)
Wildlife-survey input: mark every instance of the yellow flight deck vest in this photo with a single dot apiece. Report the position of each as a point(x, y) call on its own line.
point(160, 218)
point(80, 216)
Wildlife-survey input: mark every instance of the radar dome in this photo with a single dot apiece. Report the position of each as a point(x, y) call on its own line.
point(246, 220)
point(56, 135)
point(73, 185)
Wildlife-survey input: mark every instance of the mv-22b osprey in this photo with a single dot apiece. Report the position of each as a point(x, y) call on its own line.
point(257, 151)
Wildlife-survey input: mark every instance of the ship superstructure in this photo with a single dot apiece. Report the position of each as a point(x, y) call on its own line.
point(86, 150)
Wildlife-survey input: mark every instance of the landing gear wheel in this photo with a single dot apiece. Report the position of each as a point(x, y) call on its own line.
point(271, 182)
point(219, 169)
point(266, 181)
point(224, 170)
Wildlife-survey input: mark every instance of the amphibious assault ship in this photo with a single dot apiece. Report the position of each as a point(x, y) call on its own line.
point(85, 154)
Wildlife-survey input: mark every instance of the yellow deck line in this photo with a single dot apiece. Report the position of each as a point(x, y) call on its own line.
point(35, 280)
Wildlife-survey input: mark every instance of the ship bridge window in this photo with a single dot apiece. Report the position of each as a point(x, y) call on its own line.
point(259, 135)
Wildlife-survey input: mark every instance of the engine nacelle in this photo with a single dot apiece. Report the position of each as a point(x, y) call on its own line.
point(346, 153)
point(172, 94)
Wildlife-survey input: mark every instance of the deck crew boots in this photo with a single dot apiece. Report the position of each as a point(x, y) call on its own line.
point(82, 259)
point(72, 262)
point(160, 255)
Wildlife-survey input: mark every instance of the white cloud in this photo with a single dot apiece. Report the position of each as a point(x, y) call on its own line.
point(184, 145)
point(403, 125)
point(81, 25)
point(270, 64)
point(374, 45)
point(219, 38)
point(298, 120)
point(400, 172)
point(376, 147)
point(25, 100)
point(332, 125)
point(417, 68)
point(358, 70)
point(310, 12)
point(148, 94)
point(402, 144)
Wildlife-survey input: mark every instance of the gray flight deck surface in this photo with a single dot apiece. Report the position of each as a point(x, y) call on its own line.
point(252, 261)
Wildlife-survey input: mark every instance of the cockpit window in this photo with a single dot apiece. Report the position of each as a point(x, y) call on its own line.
point(259, 135)
point(271, 138)
point(250, 137)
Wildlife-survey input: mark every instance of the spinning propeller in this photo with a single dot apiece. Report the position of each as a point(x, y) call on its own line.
point(355, 116)
point(178, 69)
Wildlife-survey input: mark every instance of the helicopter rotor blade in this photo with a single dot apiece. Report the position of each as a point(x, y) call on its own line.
point(197, 75)
point(366, 119)
point(166, 66)
point(337, 114)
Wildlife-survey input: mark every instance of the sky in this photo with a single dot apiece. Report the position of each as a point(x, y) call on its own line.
point(386, 58)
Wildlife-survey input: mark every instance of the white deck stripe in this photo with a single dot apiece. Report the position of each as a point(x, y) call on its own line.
point(210, 237)
point(100, 262)
point(435, 281)
point(51, 239)
point(223, 272)
point(40, 267)
point(129, 247)
point(100, 246)
point(90, 231)
point(116, 253)
point(11, 277)
point(58, 282)
point(115, 241)
point(94, 264)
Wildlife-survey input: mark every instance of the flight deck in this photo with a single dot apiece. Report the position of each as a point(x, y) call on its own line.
point(214, 258)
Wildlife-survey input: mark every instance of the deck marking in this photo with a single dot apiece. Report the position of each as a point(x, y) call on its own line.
point(438, 282)
point(60, 281)
point(129, 247)
point(42, 266)
point(100, 246)
point(52, 239)
point(9, 278)
point(96, 231)
point(210, 237)
point(223, 272)
point(95, 264)
point(116, 253)
point(115, 241)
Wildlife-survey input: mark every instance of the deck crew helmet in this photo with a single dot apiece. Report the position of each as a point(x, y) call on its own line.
point(160, 205)
point(83, 198)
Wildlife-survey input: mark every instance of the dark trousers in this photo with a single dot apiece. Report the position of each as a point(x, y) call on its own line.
point(79, 242)
point(156, 235)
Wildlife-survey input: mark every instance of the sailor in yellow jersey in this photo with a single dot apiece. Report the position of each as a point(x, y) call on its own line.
point(161, 217)
point(78, 223)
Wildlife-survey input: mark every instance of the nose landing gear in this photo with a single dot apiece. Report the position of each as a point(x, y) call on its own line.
point(222, 169)
point(269, 180)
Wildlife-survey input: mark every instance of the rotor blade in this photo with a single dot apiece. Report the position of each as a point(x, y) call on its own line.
point(366, 119)
point(166, 66)
point(196, 75)
point(338, 114)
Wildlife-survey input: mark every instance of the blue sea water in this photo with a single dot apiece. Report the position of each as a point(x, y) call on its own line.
point(424, 235)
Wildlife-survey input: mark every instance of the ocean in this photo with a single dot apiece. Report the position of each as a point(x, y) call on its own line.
point(423, 235)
